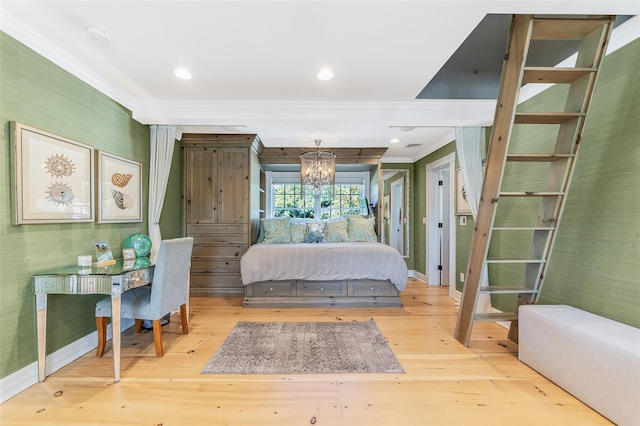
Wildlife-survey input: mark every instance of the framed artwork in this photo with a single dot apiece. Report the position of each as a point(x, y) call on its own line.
point(128, 254)
point(119, 189)
point(103, 251)
point(462, 206)
point(53, 178)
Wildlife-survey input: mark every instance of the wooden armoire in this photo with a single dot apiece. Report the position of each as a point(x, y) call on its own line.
point(221, 207)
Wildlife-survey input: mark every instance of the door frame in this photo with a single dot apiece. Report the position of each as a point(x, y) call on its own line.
point(432, 244)
point(397, 238)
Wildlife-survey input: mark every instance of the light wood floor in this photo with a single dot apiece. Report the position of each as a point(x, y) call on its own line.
point(445, 383)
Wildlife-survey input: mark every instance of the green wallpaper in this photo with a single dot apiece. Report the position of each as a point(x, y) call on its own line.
point(595, 262)
point(40, 94)
point(419, 209)
point(594, 265)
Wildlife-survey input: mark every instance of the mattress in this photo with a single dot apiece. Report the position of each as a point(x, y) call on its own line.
point(323, 262)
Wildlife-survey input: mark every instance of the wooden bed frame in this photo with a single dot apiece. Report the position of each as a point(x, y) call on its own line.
point(321, 294)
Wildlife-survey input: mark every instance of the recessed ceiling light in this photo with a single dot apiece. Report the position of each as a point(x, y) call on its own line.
point(394, 140)
point(182, 73)
point(325, 74)
point(98, 35)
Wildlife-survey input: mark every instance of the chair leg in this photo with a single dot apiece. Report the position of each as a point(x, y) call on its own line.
point(157, 338)
point(101, 326)
point(185, 319)
point(138, 326)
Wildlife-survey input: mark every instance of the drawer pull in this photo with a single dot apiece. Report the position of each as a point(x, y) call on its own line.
point(371, 288)
point(321, 289)
point(270, 288)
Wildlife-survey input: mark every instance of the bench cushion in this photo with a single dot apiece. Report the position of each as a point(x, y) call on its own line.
point(594, 358)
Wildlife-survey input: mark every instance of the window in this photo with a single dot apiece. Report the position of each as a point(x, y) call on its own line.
point(289, 201)
point(286, 198)
point(346, 200)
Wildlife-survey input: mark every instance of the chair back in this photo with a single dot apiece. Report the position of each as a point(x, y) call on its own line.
point(170, 286)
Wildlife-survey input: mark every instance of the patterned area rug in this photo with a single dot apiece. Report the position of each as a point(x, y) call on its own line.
point(304, 347)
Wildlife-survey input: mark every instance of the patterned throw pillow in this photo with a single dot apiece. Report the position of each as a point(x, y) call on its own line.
point(315, 232)
point(298, 232)
point(276, 230)
point(362, 230)
point(337, 231)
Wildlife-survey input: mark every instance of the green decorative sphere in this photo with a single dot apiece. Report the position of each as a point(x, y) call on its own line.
point(141, 243)
point(142, 262)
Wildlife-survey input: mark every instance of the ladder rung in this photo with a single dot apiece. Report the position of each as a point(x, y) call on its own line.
point(524, 228)
point(496, 316)
point(507, 290)
point(564, 29)
point(514, 260)
point(531, 194)
point(538, 158)
point(545, 117)
point(554, 75)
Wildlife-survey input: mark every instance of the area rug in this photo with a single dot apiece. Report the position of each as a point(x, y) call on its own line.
point(304, 347)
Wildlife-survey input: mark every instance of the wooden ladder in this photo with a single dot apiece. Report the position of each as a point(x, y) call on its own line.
point(523, 193)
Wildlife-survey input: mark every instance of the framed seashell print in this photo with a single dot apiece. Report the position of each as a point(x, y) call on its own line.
point(53, 178)
point(119, 189)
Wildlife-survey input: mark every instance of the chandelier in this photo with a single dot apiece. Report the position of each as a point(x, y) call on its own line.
point(317, 168)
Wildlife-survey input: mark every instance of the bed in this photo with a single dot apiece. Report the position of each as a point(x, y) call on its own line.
point(327, 274)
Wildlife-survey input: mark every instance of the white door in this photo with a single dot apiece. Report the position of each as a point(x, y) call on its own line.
point(440, 223)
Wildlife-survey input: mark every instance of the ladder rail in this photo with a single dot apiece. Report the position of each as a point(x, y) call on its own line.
point(594, 34)
point(512, 74)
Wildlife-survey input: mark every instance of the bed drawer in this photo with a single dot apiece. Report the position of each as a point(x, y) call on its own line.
point(226, 251)
point(215, 265)
point(372, 288)
point(322, 288)
point(271, 289)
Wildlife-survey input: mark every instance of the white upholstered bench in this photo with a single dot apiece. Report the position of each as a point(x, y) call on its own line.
point(594, 358)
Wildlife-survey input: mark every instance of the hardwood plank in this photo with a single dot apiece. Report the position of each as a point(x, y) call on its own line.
point(445, 382)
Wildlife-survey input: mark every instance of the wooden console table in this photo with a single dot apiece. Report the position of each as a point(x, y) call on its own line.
point(111, 280)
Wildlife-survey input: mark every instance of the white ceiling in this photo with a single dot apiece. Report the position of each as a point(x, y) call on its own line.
point(254, 63)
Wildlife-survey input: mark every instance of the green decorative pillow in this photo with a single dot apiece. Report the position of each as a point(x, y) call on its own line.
point(337, 231)
point(315, 232)
point(276, 230)
point(298, 232)
point(362, 230)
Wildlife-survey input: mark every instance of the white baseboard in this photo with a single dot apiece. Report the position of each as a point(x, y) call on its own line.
point(418, 276)
point(15, 383)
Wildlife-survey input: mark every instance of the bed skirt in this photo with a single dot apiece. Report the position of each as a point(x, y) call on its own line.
point(321, 294)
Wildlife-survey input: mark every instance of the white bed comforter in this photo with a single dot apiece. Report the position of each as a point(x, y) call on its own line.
point(323, 262)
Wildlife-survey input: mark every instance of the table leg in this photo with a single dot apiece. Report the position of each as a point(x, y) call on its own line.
point(115, 331)
point(41, 322)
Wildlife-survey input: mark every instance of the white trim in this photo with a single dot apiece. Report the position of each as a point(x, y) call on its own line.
point(431, 215)
point(22, 379)
point(418, 276)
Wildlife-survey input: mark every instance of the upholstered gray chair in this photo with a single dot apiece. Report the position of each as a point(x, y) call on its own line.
point(168, 292)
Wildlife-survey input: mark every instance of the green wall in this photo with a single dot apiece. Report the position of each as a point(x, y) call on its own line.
point(35, 92)
point(594, 265)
